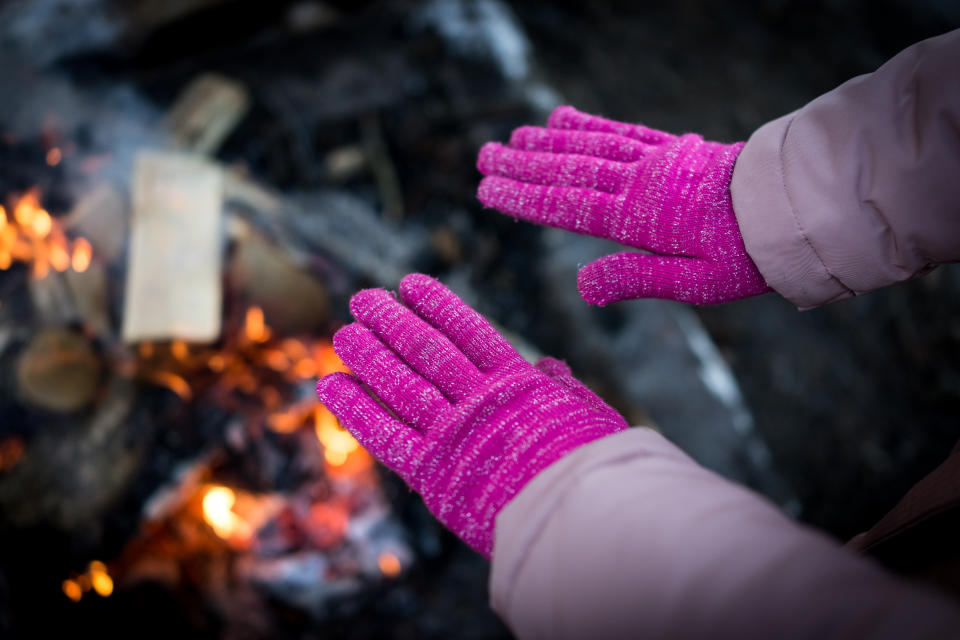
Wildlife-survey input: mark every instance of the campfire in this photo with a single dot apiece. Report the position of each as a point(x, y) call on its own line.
point(321, 528)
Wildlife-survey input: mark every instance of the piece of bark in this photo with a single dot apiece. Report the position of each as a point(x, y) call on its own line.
point(205, 113)
point(58, 371)
point(174, 267)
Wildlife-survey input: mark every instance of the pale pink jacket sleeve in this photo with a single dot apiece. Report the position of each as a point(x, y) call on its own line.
point(627, 537)
point(860, 188)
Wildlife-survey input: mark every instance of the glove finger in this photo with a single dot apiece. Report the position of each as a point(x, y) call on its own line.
point(393, 443)
point(579, 210)
point(560, 373)
point(588, 143)
point(570, 119)
point(560, 169)
point(411, 398)
point(556, 369)
point(421, 346)
point(624, 276)
point(465, 328)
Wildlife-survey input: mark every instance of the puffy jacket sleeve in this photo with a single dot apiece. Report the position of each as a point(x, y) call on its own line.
point(860, 188)
point(628, 537)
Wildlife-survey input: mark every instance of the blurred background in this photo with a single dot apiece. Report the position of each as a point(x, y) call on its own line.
point(191, 191)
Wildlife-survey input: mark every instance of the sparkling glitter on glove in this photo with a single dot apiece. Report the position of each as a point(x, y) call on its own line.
point(461, 417)
point(666, 195)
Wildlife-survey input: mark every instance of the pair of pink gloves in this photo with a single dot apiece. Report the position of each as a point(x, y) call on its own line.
point(455, 410)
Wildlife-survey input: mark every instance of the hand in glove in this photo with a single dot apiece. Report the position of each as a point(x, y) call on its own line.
point(461, 417)
point(666, 195)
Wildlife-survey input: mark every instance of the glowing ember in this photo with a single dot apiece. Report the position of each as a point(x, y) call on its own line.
point(59, 255)
point(100, 580)
point(327, 359)
point(11, 451)
point(96, 578)
point(82, 252)
point(255, 328)
point(337, 443)
point(276, 360)
point(306, 368)
point(218, 512)
point(389, 564)
point(54, 156)
point(285, 422)
point(72, 590)
point(26, 207)
point(180, 350)
point(217, 363)
point(173, 382)
point(145, 349)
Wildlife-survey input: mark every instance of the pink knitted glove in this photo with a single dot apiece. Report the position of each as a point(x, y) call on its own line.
point(457, 413)
point(666, 195)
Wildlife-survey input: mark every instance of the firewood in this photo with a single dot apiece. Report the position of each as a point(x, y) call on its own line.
point(206, 112)
point(292, 300)
point(174, 275)
point(58, 371)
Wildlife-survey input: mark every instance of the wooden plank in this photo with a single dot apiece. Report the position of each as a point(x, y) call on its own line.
point(205, 113)
point(173, 285)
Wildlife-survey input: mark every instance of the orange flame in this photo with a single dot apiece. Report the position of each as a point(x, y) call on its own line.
point(96, 577)
point(31, 235)
point(218, 512)
point(389, 564)
point(82, 253)
point(180, 350)
point(217, 363)
point(59, 256)
point(41, 223)
point(173, 382)
point(327, 359)
point(337, 443)
point(26, 207)
point(71, 589)
point(255, 328)
point(100, 580)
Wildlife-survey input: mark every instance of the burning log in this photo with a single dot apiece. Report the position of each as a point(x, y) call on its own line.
point(293, 300)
